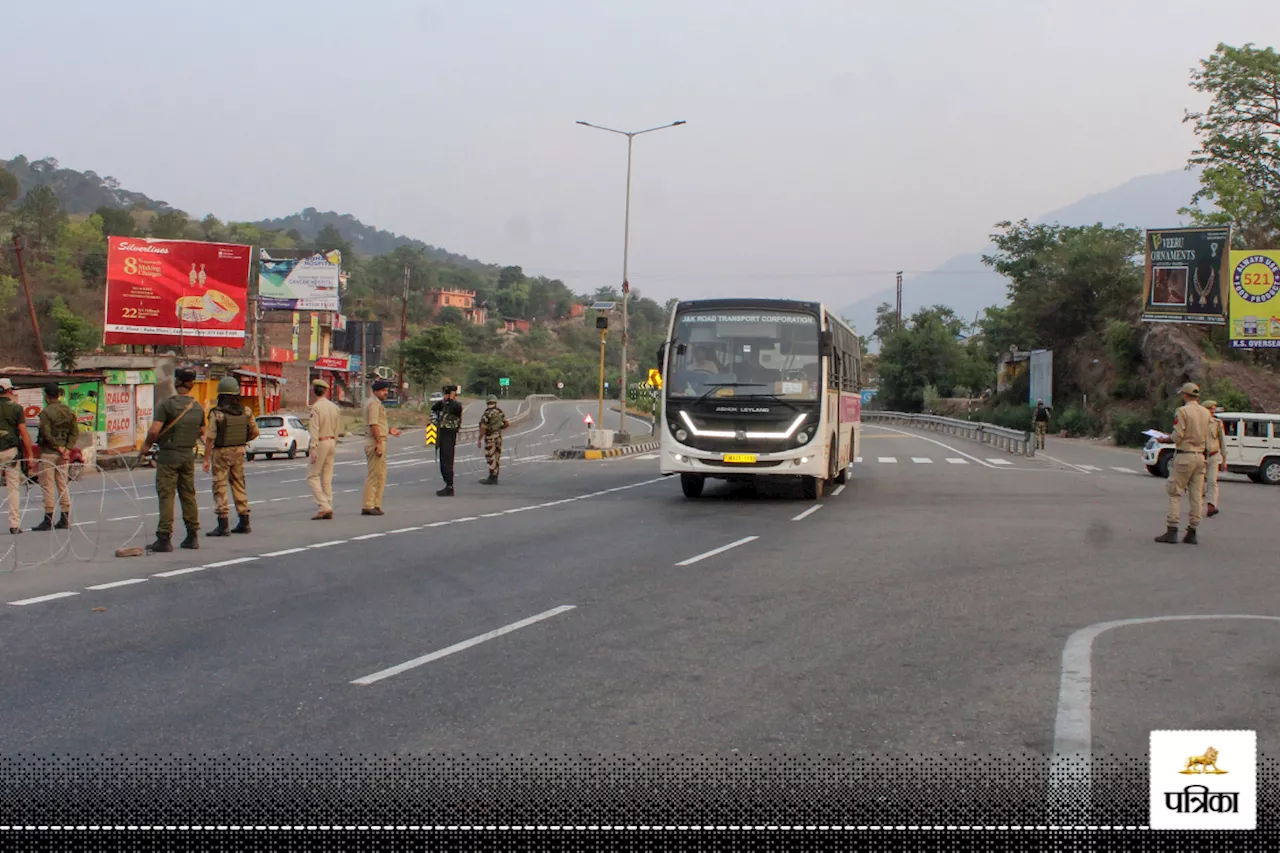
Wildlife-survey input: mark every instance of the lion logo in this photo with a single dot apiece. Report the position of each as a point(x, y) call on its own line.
point(1203, 762)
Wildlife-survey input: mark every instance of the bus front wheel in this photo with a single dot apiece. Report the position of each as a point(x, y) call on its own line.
point(692, 485)
point(813, 488)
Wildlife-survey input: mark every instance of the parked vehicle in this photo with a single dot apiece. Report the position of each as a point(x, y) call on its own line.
point(1252, 448)
point(280, 434)
point(437, 396)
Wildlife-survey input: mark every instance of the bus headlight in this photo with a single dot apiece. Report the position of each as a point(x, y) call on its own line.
point(681, 435)
point(802, 438)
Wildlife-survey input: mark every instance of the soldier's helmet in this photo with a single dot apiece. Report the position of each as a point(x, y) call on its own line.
point(492, 399)
point(228, 385)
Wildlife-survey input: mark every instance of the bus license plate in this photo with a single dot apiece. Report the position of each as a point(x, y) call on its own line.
point(741, 458)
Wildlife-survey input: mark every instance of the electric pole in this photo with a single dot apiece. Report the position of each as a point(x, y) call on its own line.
point(899, 311)
point(31, 308)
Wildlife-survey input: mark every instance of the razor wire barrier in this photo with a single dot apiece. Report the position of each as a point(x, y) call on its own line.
point(1017, 442)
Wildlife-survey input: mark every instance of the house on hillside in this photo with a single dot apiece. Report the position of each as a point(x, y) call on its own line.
point(514, 325)
point(464, 300)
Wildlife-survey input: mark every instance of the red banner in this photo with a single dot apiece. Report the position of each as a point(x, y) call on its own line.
point(176, 292)
point(338, 363)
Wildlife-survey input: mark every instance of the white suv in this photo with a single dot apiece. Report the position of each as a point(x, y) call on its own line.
point(280, 434)
point(1252, 448)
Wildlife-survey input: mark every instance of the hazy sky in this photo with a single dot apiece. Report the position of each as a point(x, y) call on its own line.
point(826, 140)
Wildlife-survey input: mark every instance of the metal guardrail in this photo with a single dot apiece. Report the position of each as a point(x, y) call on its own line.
point(1013, 441)
point(519, 417)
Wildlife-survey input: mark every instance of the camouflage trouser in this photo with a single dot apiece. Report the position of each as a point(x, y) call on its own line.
point(180, 478)
point(227, 467)
point(1041, 427)
point(493, 452)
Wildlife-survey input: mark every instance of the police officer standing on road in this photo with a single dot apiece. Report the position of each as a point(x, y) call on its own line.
point(448, 417)
point(375, 448)
point(1215, 457)
point(1191, 425)
point(15, 445)
point(492, 423)
point(231, 427)
point(1040, 421)
point(177, 425)
point(59, 433)
point(324, 424)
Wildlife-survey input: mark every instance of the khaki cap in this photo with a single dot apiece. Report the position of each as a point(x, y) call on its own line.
point(1191, 388)
point(1210, 404)
point(6, 385)
point(319, 383)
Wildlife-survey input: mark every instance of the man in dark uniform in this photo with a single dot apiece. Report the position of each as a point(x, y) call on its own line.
point(492, 423)
point(178, 423)
point(448, 417)
point(231, 428)
point(59, 433)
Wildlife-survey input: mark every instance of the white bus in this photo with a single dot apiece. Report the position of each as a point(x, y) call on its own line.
point(759, 388)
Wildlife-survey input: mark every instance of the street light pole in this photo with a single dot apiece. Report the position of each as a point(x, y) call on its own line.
point(626, 247)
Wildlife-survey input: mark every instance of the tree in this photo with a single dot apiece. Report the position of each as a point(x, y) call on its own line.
point(40, 218)
point(9, 189)
point(330, 238)
point(509, 277)
point(451, 315)
point(923, 353)
point(116, 222)
point(169, 225)
point(74, 335)
point(1239, 143)
point(886, 322)
point(428, 353)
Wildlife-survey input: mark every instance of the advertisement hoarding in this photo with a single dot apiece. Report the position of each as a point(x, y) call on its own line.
point(121, 433)
point(1254, 299)
point(292, 280)
point(175, 292)
point(144, 400)
point(337, 363)
point(1187, 273)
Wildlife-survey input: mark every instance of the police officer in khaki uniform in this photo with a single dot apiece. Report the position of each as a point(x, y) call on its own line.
point(324, 424)
point(375, 448)
point(231, 428)
point(15, 445)
point(1191, 425)
point(492, 423)
point(1215, 458)
point(177, 425)
point(59, 433)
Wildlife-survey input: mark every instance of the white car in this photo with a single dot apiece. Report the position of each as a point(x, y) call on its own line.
point(437, 396)
point(280, 434)
point(1252, 448)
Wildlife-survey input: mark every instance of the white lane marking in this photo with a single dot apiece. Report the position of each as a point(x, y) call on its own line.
point(468, 518)
point(123, 517)
point(858, 459)
point(327, 544)
point(968, 456)
point(995, 461)
point(1070, 769)
point(1123, 470)
point(114, 584)
point(808, 512)
point(237, 561)
point(1081, 468)
point(838, 490)
point(714, 551)
point(439, 523)
point(457, 647)
point(958, 461)
point(43, 598)
point(177, 572)
point(255, 503)
point(888, 459)
point(647, 456)
point(367, 536)
point(1087, 467)
point(284, 552)
point(404, 530)
point(491, 514)
point(922, 460)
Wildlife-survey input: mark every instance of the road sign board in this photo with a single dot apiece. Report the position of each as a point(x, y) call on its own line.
point(655, 377)
point(504, 381)
point(606, 385)
point(431, 434)
point(560, 385)
point(588, 419)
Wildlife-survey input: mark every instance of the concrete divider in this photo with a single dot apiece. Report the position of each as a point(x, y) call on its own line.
point(1012, 441)
point(612, 453)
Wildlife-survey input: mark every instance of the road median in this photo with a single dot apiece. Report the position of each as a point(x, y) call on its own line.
point(610, 453)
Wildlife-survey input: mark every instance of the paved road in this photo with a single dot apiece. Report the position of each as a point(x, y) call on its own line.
point(922, 608)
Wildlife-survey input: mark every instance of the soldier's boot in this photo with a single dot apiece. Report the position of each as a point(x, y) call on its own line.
point(1190, 537)
point(1170, 536)
point(491, 480)
point(446, 492)
point(64, 522)
point(47, 524)
point(163, 543)
point(243, 526)
point(1213, 510)
point(220, 530)
point(192, 542)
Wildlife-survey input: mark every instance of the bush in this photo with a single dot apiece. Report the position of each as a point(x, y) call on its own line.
point(1124, 344)
point(931, 398)
point(1077, 421)
point(1128, 388)
point(1127, 429)
point(1010, 416)
point(1228, 396)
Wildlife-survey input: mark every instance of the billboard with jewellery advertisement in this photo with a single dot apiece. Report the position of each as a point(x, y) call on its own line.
point(176, 292)
point(1254, 299)
point(1187, 274)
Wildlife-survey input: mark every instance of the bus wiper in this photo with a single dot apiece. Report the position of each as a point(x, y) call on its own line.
point(785, 402)
point(719, 385)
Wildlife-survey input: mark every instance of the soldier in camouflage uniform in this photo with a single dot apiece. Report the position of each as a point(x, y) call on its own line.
point(448, 417)
point(492, 423)
point(231, 428)
point(59, 433)
point(178, 423)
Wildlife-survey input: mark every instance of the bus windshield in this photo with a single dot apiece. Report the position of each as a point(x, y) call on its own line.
point(745, 353)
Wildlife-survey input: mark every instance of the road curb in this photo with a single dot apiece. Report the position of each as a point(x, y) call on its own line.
point(612, 453)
